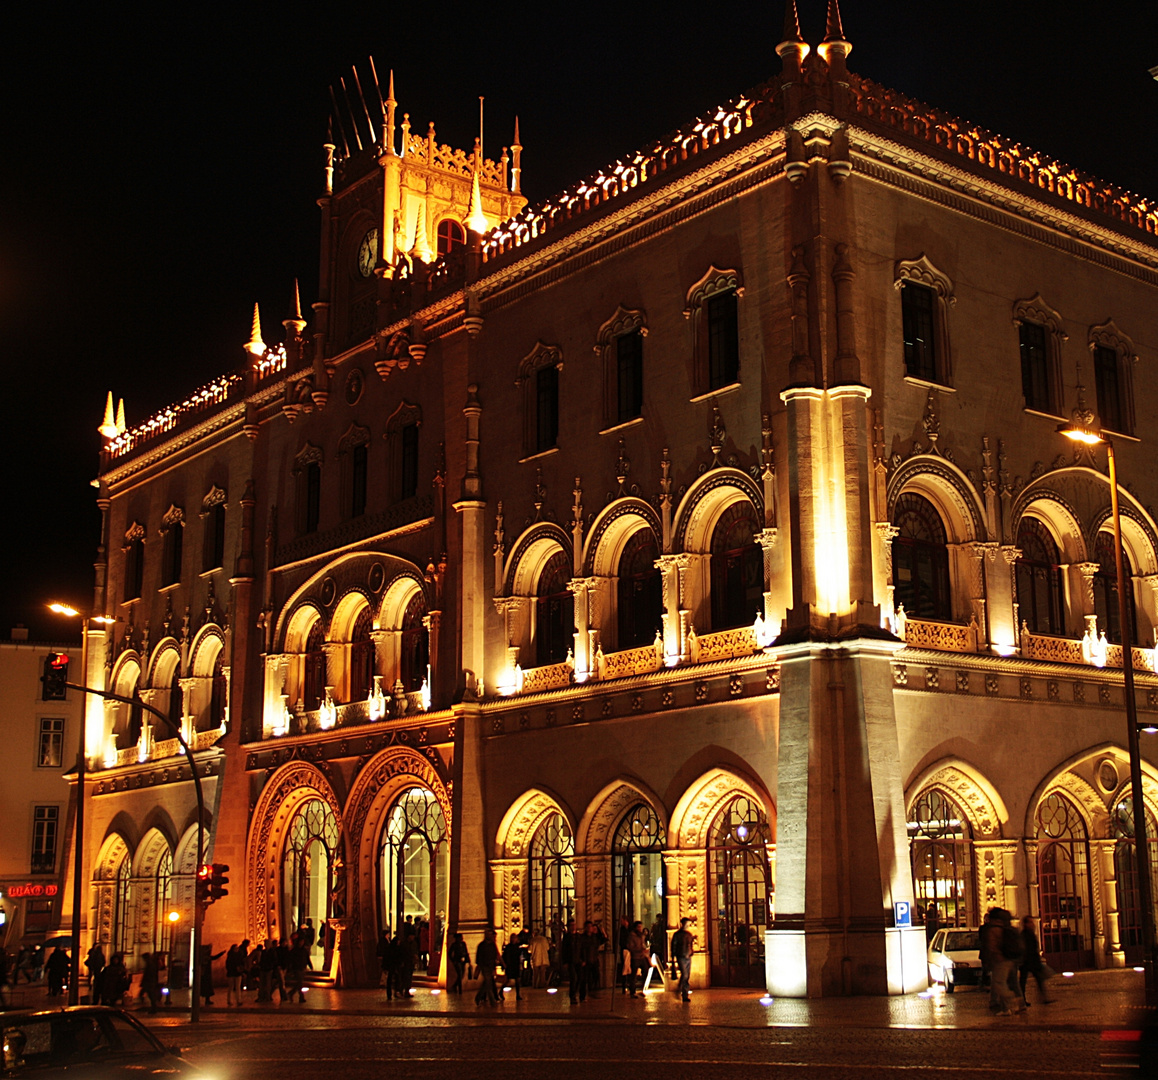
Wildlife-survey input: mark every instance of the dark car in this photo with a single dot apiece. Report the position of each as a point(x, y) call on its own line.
point(88, 1041)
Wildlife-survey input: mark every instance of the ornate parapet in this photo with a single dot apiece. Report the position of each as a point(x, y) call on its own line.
point(550, 677)
point(942, 636)
point(727, 644)
point(1055, 649)
point(620, 665)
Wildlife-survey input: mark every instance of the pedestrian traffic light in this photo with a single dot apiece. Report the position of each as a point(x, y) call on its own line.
point(218, 881)
point(55, 676)
point(204, 874)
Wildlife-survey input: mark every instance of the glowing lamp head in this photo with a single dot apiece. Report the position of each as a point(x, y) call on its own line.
point(64, 609)
point(742, 832)
point(174, 916)
point(1083, 427)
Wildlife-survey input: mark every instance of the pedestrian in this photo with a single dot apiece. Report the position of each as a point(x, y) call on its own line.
point(207, 958)
point(270, 974)
point(1004, 948)
point(253, 974)
point(570, 955)
point(512, 967)
point(424, 943)
point(297, 962)
point(234, 970)
point(382, 952)
point(114, 981)
point(309, 934)
point(540, 959)
point(94, 962)
point(658, 942)
point(682, 946)
point(1032, 963)
point(594, 941)
point(151, 980)
point(638, 957)
point(393, 967)
point(622, 957)
point(57, 970)
point(408, 947)
point(459, 957)
point(932, 923)
point(486, 960)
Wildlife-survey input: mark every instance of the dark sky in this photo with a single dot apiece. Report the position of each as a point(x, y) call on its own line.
point(159, 167)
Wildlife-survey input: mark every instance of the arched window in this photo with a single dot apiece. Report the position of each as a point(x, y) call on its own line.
point(219, 692)
point(415, 861)
point(134, 562)
point(1063, 882)
point(122, 938)
point(552, 874)
point(308, 865)
point(314, 683)
point(1106, 590)
point(921, 560)
point(741, 893)
point(941, 851)
point(554, 612)
point(1126, 873)
point(450, 236)
point(1040, 596)
point(414, 644)
point(640, 589)
point(162, 898)
point(737, 568)
point(637, 867)
point(361, 657)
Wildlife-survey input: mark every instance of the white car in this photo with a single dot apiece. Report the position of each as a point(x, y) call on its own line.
point(955, 957)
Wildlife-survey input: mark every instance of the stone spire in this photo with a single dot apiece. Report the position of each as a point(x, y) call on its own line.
point(516, 161)
point(475, 218)
point(295, 324)
point(255, 346)
point(391, 105)
point(793, 48)
point(835, 47)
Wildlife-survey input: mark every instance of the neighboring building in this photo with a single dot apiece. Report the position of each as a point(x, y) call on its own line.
point(695, 543)
point(39, 731)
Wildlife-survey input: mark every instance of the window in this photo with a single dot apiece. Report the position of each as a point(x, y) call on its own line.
point(213, 544)
point(353, 456)
point(219, 693)
point(741, 893)
point(176, 699)
point(554, 612)
point(409, 461)
point(737, 568)
point(358, 481)
point(173, 532)
point(314, 687)
point(917, 315)
point(1040, 595)
point(921, 561)
point(1063, 882)
point(48, 688)
point(1113, 378)
point(307, 470)
point(51, 752)
point(640, 592)
point(723, 340)
point(546, 408)
point(415, 645)
point(362, 657)
point(637, 867)
point(629, 375)
point(1106, 590)
point(1034, 367)
point(414, 862)
point(450, 236)
point(941, 851)
point(552, 900)
point(538, 384)
point(44, 827)
point(134, 550)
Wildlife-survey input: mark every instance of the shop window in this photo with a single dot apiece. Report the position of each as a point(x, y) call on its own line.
point(51, 750)
point(921, 560)
point(639, 592)
point(45, 821)
point(1040, 589)
point(737, 568)
point(941, 852)
point(554, 612)
point(1106, 591)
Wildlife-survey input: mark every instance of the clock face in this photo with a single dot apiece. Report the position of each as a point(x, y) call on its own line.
point(368, 253)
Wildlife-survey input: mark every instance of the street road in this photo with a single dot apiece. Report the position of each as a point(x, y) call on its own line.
point(287, 1047)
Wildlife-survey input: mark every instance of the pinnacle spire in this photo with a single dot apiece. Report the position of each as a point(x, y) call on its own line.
point(108, 427)
point(295, 324)
point(122, 427)
point(792, 48)
point(255, 346)
point(791, 22)
point(834, 31)
point(475, 218)
point(516, 140)
point(421, 242)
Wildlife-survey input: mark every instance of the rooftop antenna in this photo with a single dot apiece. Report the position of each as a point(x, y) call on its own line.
point(353, 115)
point(481, 99)
point(381, 103)
point(365, 109)
point(338, 117)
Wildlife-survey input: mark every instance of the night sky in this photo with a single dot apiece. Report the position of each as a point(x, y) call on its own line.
point(160, 164)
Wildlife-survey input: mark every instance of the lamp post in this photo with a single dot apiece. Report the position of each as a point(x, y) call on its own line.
point(1082, 430)
point(81, 761)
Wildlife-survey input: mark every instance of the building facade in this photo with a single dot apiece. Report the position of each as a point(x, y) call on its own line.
point(697, 543)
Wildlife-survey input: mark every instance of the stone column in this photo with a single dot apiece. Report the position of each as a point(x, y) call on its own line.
point(685, 877)
point(672, 569)
point(1109, 935)
point(1089, 615)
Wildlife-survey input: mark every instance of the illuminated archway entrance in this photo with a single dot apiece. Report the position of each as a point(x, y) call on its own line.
point(941, 850)
point(637, 867)
point(414, 861)
point(308, 867)
point(738, 865)
point(1063, 859)
point(1126, 874)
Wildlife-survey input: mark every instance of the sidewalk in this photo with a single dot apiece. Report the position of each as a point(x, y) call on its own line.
point(1088, 1001)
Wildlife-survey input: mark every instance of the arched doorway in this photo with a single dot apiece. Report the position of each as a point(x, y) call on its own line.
point(1126, 873)
point(414, 860)
point(307, 869)
point(552, 874)
point(1063, 882)
point(637, 867)
point(941, 852)
point(741, 892)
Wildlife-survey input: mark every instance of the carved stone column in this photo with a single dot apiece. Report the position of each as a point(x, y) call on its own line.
point(432, 620)
point(766, 538)
point(1011, 555)
point(887, 532)
point(582, 589)
point(1089, 613)
point(1108, 936)
point(191, 702)
point(685, 878)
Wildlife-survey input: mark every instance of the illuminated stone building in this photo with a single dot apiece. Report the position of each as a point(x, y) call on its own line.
point(697, 542)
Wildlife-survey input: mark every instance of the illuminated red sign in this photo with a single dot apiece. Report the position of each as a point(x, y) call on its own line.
point(18, 891)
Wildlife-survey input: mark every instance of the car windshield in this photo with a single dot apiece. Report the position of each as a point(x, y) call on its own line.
point(961, 941)
point(64, 1038)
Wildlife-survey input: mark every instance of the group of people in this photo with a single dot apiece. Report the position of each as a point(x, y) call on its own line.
point(1009, 956)
point(110, 980)
point(416, 947)
point(273, 967)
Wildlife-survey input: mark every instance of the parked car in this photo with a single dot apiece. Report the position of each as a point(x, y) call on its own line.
point(955, 957)
point(85, 1041)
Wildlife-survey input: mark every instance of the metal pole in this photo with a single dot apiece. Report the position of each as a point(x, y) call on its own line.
point(78, 857)
point(198, 912)
point(1141, 844)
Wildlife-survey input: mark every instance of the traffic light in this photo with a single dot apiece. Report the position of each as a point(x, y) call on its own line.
point(204, 873)
point(55, 676)
point(218, 881)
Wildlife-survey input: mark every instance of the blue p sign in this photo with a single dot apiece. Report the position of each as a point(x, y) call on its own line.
point(902, 914)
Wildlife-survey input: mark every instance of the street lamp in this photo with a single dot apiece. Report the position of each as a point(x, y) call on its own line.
point(1083, 430)
point(81, 760)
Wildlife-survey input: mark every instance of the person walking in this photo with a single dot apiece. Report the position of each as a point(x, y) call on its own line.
point(234, 970)
point(486, 959)
point(622, 958)
point(459, 957)
point(114, 981)
point(56, 969)
point(682, 946)
point(658, 942)
point(1002, 943)
point(297, 963)
point(151, 980)
point(638, 957)
point(94, 963)
point(512, 967)
point(593, 941)
point(1032, 963)
point(382, 952)
point(540, 959)
point(393, 961)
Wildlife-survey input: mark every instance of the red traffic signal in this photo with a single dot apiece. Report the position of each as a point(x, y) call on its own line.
point(218, 881)
point(55, 676)
point(203, 877)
